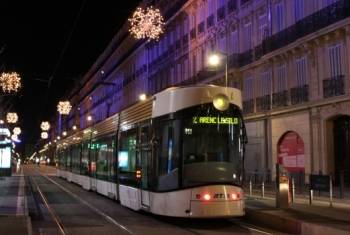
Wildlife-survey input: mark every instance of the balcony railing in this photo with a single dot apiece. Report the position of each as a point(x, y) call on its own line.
point(333, 86)
point(299, 94)
point(201, 27)
point(263, 103)
point(221, 13)
point(233, 60)
point(246, 57)
point(280, 99)
point(312, 23)
point(210, 21)
point(248, 106)
point(185, 39)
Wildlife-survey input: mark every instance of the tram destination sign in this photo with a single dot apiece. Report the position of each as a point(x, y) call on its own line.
point(215, 120)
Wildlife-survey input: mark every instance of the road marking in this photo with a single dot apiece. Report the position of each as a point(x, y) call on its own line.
point(107, 217)
point(247, 226)
point(21, 208)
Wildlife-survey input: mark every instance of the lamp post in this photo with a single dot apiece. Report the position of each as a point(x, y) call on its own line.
point(214, 60)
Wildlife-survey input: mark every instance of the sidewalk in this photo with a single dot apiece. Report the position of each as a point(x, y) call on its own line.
point(14, 217)
point(300, 218)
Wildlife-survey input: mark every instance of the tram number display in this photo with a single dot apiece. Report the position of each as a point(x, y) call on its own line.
point(215, 120)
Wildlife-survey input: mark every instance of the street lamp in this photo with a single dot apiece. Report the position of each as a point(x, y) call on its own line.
point(89, 118)
point(142, 97)
point(214, 60)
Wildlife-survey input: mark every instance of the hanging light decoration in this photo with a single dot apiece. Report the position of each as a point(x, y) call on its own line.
point(12, 117)
point(10, 82)
point(44, 135)
point(17, 131)
point(146, 23)
point(14, 137)
point(64, 107)
point(45, 126)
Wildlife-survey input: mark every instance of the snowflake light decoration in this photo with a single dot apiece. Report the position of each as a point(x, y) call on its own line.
point(44, 135)
point(12, 117)
point(17, 131)
point(10, 82)
point(64, 107)
point(14, 137)
point(146, 23)
point(45, 126)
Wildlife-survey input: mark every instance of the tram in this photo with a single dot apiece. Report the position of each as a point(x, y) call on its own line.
point(180, 153)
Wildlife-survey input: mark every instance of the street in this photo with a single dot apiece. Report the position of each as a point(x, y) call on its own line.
point(60, 207)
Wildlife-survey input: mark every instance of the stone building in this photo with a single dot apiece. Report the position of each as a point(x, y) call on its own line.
point(289, 57)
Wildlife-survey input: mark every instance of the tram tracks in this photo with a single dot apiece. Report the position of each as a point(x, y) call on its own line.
point(62, 229)
point(188, 227)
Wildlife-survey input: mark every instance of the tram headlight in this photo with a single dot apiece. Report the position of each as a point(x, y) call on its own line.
point(221, 102)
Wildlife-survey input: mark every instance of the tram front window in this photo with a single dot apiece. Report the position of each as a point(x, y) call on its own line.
point(212, 148)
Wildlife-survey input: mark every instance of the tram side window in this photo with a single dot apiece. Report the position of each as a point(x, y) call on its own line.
point(167, 137)
point(127, 158)
point(75, 151)
point(105, 169)
point(84, 167)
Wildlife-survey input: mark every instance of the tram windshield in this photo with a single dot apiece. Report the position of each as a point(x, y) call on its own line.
point(212, 146)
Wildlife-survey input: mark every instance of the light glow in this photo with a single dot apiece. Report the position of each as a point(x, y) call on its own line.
point(207, 197)
point(89, 118)
point(12, 117)
point(142, 97)
point(44, 135)
point(45, 126)
point(17, 131)
point(146, 23)
point(10, 82)
point(64, 107)
point(214, 60)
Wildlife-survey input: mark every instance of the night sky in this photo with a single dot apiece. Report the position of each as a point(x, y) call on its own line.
point(41, 41)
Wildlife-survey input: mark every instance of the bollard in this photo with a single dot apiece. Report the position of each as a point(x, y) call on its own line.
point(341, 183)
point(293, 190)
point(250, 187)
point(330, 192)
point(311, 196)
point(263, 190)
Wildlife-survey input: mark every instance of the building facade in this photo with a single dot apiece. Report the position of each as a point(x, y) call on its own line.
point(289, 57)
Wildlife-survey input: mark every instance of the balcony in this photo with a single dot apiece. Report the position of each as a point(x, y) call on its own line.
point(280, 99)
point(263, 103)
point(201, 27)
point(231, 5)
point(312, 23)
point(248, 106)
point(299, 94)
point(210, 21)
point(193, 33)
point(333, 86)
point(221, 13)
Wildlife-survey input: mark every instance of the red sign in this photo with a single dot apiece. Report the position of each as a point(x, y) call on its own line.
point(291, 152)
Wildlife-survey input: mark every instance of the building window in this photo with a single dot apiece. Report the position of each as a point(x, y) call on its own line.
point(263, 28)
point(299, 8)
point(301, 71)
point(248, 88)
point(233, 45)
point(247, 36)
point(334, 53)
point(265, 81)
point(222, 42)
point(281, 78)
point(279, 17)
point(185, 69)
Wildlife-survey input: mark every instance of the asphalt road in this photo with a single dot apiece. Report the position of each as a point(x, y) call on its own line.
point(59, 207)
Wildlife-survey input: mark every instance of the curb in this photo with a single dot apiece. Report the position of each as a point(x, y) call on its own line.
point(290, 225)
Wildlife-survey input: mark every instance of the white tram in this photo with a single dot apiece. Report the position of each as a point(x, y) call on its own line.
point(179, 153)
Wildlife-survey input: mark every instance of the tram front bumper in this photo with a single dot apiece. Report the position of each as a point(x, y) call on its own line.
point(200, 209)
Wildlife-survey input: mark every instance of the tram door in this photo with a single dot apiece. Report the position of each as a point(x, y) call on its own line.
point(146, 161)
point(93, 161)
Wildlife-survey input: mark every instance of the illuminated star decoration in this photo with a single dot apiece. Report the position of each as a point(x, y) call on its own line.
point(10, 82)
point(146, 23)
point(64, 107)
point(44, 135)
point(45, 126)
point(11, 117)
point(17, 131)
